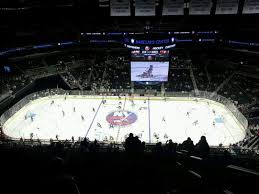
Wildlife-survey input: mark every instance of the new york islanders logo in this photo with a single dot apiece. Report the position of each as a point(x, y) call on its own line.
point(121, 118)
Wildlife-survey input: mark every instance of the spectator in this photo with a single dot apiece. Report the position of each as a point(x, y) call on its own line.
point(188, 145)
point(84, 145)
point(170, 146)
point(59, 181)
point(133, 144)
point(129, 143)
point(143, 146)
point(94, 146)
point(158, 148)
point(202, 147)
point(136, 144)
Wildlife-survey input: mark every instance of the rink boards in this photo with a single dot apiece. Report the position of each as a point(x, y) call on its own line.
point(153, 119)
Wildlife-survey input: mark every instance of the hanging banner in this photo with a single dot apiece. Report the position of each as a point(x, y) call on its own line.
point(145, 8)
point(251, 6)
point(120, 7)
point(173, 7)
point(200, 7)
point(227, 7)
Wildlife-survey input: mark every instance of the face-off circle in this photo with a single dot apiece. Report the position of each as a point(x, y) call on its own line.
point(121, 118)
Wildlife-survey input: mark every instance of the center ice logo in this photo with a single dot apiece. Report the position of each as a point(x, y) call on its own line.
point(121, 118)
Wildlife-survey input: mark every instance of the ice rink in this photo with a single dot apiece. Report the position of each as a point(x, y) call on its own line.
point(112, 119)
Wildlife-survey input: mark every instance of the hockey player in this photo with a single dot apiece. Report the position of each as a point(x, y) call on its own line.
point(188, 114)
point(163, 119)
point(93, 110)
point(147, 73)
point(132, 103)
point(74, 109)
point(150, 69)
point(52, 102)
point(195, 122)
point(82, 117)
point(140, 135)
point(63, 113)
point(99, 125)
point(156, 136)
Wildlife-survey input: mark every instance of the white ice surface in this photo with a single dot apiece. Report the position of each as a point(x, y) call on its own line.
point(149, 126)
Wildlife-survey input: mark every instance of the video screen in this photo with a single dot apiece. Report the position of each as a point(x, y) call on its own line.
point(149, 71)
point(149, 64)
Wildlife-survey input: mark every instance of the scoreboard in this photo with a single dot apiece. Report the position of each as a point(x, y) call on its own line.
point(149, 64)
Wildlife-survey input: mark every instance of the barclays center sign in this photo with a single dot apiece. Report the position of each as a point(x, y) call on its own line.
point(134, 41)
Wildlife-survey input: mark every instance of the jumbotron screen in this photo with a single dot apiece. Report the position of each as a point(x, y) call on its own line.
point(149, 71)
point(149, 65)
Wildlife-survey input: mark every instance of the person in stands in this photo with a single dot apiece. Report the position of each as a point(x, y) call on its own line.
point(202, 147)
point(188, 145)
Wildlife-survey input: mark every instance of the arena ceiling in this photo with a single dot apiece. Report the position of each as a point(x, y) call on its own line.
point(35, 20)
point(143, 7)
